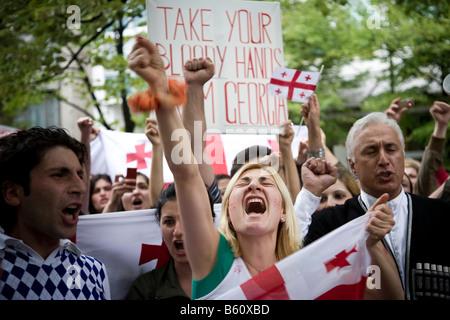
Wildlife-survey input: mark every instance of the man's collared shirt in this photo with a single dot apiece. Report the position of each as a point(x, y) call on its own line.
point(396, 239)
point(66, 274)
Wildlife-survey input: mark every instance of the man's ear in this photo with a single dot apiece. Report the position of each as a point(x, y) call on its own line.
point(11, 193)
point(352, 167)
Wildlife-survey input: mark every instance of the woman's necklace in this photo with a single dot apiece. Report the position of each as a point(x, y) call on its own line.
point(256, 268)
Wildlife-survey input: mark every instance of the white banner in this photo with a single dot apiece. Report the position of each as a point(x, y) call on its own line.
point(112, 152)
point(129, 243)
point(243, 39)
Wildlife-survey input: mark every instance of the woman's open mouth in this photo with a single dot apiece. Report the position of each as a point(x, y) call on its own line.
point(179, 246)
point(255, 205)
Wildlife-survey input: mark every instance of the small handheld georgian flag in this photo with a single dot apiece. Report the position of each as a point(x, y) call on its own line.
point(294, 85)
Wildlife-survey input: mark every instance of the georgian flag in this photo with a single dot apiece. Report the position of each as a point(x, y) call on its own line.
point(129, 243)
point(294, 85)
point(334, 267)
point(112, 152)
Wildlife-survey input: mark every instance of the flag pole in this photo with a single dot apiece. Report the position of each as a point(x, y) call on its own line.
point(301, 121)
point(299, 127)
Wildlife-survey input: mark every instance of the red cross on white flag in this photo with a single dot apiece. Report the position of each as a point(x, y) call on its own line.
point(294, 85)
point(139, 156)
point(334, 267)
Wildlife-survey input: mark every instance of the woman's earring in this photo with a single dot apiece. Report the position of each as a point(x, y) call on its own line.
point(283, 219)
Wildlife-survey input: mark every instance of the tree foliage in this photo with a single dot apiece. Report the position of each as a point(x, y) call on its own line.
point(325, 33)
point(407, 41)
point(38, 49)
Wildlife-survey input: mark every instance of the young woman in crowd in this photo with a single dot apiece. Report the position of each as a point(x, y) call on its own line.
point(100, 192)
point(346, 187)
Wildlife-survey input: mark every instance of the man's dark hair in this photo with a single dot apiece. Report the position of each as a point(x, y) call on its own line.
point(169, 194)
point(23, 150)
point(221, 176)
point(248, 154)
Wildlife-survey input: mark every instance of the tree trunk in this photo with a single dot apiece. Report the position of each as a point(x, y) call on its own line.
point(129, 124)
point(391, 71)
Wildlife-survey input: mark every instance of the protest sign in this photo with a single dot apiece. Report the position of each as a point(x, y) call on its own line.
point(243, 39)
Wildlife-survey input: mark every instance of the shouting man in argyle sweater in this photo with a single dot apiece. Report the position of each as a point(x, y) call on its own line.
point(42, 182)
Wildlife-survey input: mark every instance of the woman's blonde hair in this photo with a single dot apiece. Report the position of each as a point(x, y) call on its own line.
point(412, 163)
point(289, 239)
point(348, 179)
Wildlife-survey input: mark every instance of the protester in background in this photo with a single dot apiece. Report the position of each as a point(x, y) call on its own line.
point(282, 161)
point(129, 194)
point(289, 169)
point(196, 73)
point(412, 167)
point(100, 192)
point(42, 177)
point(407, 184)
point(431, 172)
point(394, 111)
point(138, 194)
point(433, 156)
point(345, 186)
point(443, 192)
point(315, 145)
point(222, 182)
point(87, 133)
point(249, 154)
point(120, 186)
point(139, 197)
point(156, 170)
point(174, 279)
